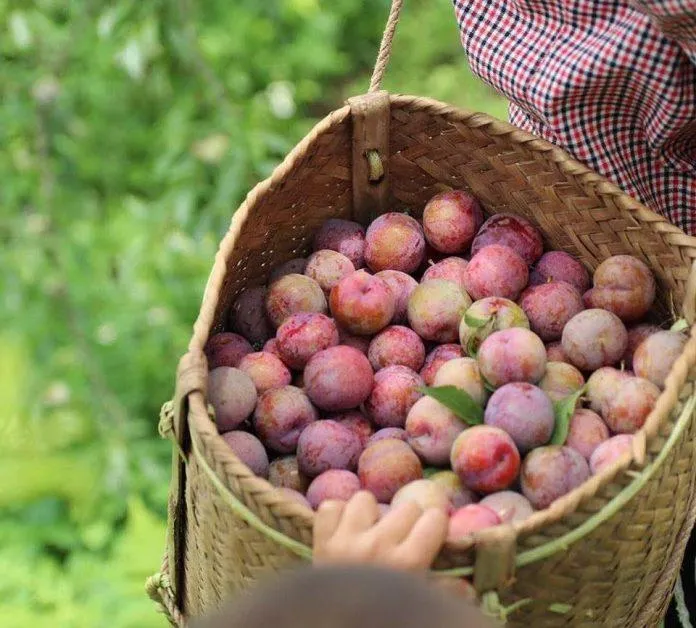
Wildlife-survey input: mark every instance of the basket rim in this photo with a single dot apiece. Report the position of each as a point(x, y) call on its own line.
point(567, 164)
point(601, 186)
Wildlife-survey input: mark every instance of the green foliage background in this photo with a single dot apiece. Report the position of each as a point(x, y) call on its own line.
point(130, 131)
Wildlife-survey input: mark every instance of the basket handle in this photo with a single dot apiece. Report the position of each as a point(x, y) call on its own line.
point(385, 46)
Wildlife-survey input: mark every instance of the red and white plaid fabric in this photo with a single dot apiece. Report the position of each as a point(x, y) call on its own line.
point(611, 81)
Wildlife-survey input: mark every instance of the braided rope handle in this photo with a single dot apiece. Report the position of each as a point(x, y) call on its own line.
point(385, 46)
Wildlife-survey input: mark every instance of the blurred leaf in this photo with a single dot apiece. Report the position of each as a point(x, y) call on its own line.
point(458, 401)
point(474, 322)
point(680, 325)
point(20, 31)
point(211, 149)
point(481, 329)
point(564, 410)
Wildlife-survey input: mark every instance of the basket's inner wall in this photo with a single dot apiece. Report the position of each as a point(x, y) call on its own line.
point(281, 224)
point(429, 153)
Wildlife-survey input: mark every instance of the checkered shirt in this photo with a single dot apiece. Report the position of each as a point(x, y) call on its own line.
point(613, 82)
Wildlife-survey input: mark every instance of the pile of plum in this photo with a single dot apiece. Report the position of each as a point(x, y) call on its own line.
point(449, 361)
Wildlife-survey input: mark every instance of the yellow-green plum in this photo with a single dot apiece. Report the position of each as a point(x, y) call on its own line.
point(394, 241)
point(293, 294)
point(435, 310)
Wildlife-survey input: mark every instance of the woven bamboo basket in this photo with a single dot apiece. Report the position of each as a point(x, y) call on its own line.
point(606, 554)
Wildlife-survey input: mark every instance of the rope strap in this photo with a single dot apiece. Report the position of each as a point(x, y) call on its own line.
point(386, 46)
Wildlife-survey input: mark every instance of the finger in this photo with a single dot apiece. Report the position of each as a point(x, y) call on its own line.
point(396, 525)
point(326, 520)
point(424, 541)
point(359, 514)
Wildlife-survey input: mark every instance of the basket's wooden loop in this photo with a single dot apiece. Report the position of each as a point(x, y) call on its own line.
point(370, 114)
point(166, 427)
point(494, 570)
point(495, 559)
point(689, 307)
point(385, 46)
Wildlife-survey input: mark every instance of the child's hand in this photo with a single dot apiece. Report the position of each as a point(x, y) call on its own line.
point(352, 533)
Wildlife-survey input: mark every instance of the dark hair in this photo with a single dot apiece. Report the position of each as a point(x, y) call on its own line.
point(346, 597)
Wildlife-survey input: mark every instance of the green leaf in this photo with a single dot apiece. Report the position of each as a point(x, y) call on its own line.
point(429, 472)
point(478, 336)
point(680, 325)
point(564, 410)
point(559, 608)
point(458, 401)
point(472, 346)
point(487, 385)
point(474, 322)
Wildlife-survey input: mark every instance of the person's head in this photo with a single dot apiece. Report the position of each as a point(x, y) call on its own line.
point(346, 597)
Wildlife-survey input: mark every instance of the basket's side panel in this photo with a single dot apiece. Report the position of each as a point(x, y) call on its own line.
point(429, 150)
point(281, 215)
point(224, 555)
point(623, 572)
point(197, 588)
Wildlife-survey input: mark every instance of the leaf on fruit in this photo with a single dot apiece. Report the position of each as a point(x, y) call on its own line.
point(458, 401)
point(474, 322)
point(429, 472)
point(472, 346)
point(563, 411)
point(487, 385)
point(478, 336)
point(680, 325)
